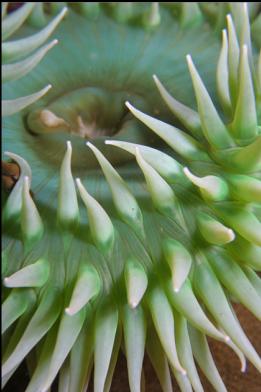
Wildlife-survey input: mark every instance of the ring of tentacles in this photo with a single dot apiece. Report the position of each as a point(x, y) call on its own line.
point(167, 166)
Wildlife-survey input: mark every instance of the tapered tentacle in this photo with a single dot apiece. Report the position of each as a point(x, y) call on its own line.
point(214, 231)
point(183, 381)
point(184, 144)
point(42, 368)
point(87, 286)
point(204, 358)
point(136, 282)
point(33, 275)
point(212, 188)
point(234, 279)
point(21, 68)
point(105, 332)
point(242, 221)
point(12, 106)
point(43, 319)
point(159, 360)
point(13, 21)
point(69, 329)
point(134, 325)
point(14, 202)
point(186, 303)
point(15, 305)
point(13, 50)
point(161, 192)
point(233, 58)
point(68, 211)
point(164, 164)
point(164, 324)
point(113, 361)
point(185, 351)
point(38, 18)
point(100, 224)
point(179, 261)
point(245, 252)
point(152, 17)
point(245, 188)
point(64, 377)
point(187, 116)
point(31, 222)
point(82, 353)
point(223, 75)
point(209, 289)
point(124, 201)
point(214, 129)
point(254, 279)
point(244, 125)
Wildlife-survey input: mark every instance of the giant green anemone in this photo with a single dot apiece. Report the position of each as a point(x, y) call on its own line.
point(169, 178)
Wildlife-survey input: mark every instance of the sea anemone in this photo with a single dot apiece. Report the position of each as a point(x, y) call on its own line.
point(171, 187)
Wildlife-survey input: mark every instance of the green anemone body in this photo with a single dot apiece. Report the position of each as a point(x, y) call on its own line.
point(171, 189)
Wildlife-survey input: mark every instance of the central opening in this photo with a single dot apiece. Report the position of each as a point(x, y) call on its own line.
point(89, 113)
point(86, 114)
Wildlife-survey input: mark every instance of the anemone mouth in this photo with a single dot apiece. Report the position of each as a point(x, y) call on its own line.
point(89, 113)
point(86, 114)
